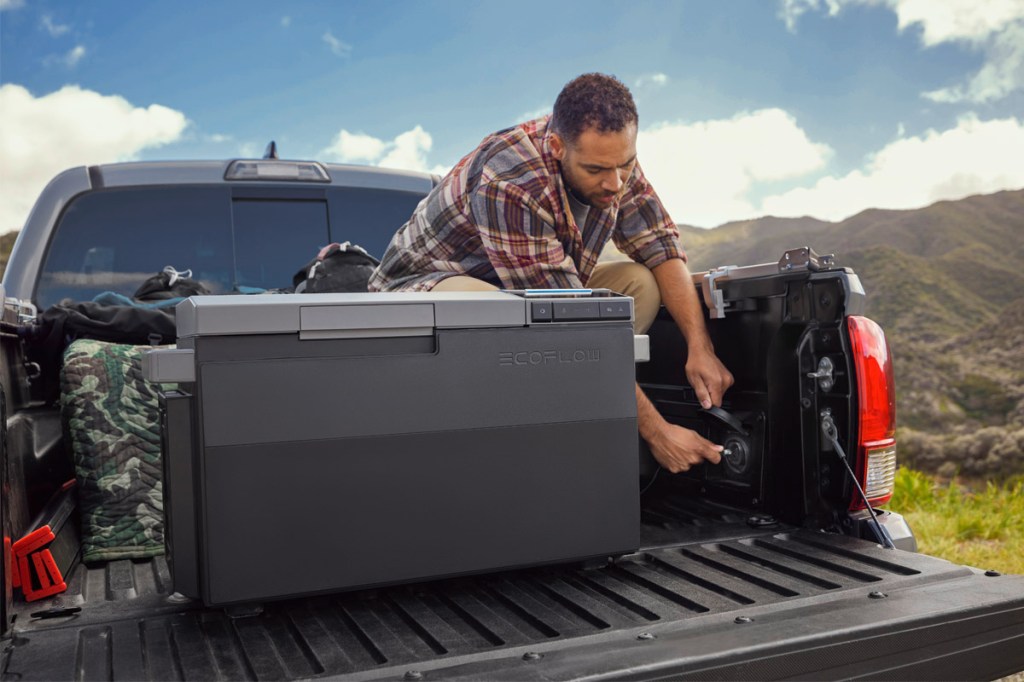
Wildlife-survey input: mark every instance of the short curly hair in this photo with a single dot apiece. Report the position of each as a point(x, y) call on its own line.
point(593, 100)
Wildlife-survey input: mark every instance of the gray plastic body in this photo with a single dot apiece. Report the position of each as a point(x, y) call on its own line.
point(464, 449)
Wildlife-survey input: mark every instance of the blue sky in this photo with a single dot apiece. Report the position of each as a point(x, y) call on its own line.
point(748, 107)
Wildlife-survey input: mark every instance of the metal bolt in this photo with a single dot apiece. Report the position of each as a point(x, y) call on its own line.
point(877, 595)
point(761, 520)
point(993, 574)
point(532, 656)
point(805, 403)
point(743, 620)
point(414, 675)
point(645, 636)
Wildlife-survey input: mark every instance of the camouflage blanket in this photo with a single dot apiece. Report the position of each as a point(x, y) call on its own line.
point(112, 422)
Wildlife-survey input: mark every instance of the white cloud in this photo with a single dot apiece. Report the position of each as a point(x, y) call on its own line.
point(973, 157)
point(286, 22)
point(704, 171)
point(249, 150)
point(995, 27)
point(353, 148)
point(536, 113)
point(791, 10)
point(956, 20)
point(940, 20)
point(218, 138)
point(655, 79)
point(408, 151)
point(1002, 73)
point(339, 48)
point(70, 59)
point(11, 4)
point(74, 55)
point(53, 29)
point(42, 136)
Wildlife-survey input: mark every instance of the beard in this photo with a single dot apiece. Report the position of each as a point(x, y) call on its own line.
point(592, 198)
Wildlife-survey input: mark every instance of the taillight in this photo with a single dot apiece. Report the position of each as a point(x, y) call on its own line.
point(876, 390)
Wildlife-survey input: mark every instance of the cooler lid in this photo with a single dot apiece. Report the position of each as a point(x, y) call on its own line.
point(349, 315)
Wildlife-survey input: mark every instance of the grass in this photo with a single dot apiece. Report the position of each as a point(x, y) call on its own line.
point(981, 526)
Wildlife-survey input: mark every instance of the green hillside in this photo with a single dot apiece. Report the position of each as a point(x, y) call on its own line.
point(6, 244)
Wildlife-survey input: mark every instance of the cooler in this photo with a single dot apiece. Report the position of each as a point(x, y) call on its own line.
point(324, 442)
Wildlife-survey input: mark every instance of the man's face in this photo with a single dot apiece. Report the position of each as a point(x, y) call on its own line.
point(596, 166)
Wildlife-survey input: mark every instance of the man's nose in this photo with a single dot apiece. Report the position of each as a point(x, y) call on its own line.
point(613, 183)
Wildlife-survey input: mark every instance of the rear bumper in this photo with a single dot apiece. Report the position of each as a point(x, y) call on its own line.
point(894, 524)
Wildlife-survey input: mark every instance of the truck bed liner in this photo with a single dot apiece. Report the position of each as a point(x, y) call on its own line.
point(131, 628)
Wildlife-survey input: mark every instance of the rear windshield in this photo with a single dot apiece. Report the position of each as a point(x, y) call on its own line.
point(231, 239)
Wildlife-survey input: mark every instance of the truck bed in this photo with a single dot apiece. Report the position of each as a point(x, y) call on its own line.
point(767, 603)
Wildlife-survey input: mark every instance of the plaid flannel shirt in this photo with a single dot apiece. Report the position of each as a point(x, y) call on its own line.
point(502, 215)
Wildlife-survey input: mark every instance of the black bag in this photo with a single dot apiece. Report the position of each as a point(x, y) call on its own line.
point(61, 324)
point(169, 283)
point(141, 320)
point(337, 268)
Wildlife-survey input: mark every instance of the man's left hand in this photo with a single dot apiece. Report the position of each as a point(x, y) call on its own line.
point(708, 376)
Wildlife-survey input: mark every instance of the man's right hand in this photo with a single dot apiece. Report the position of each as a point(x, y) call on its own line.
point(678, 449)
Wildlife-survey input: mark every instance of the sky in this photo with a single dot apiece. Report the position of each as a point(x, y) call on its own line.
point(747, 107)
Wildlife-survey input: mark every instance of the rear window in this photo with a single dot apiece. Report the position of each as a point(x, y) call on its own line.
point(232, 239)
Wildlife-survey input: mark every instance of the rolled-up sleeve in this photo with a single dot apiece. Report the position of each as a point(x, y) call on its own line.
point(644, 230)
point(520, 239)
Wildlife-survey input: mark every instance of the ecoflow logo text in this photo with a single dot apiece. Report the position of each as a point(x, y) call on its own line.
point(525, 358)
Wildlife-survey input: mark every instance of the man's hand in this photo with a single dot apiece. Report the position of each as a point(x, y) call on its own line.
point(677, 449)
point(706, 373)
point(708, 376)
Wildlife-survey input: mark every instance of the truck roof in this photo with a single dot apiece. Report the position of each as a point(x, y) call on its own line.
point(26, 259)
point(215, 172)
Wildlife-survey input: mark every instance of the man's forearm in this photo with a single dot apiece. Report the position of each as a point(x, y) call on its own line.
point(648, 420)
point(705, 372)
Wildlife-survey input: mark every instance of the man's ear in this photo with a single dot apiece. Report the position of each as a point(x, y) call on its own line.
point(557, 146)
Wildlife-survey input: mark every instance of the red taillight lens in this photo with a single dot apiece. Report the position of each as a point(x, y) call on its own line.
point(876, 390)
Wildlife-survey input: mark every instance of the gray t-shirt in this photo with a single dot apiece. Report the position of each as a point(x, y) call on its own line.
point(579, 210)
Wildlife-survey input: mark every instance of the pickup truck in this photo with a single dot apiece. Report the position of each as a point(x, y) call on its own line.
point(778, 563)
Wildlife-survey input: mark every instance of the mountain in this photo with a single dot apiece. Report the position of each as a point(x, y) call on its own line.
point(946, 282)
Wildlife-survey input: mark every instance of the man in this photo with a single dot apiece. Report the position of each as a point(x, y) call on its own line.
point(532, 207)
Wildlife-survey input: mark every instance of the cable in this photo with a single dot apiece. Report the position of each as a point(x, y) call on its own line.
point(831, 433)
point(651, 482)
